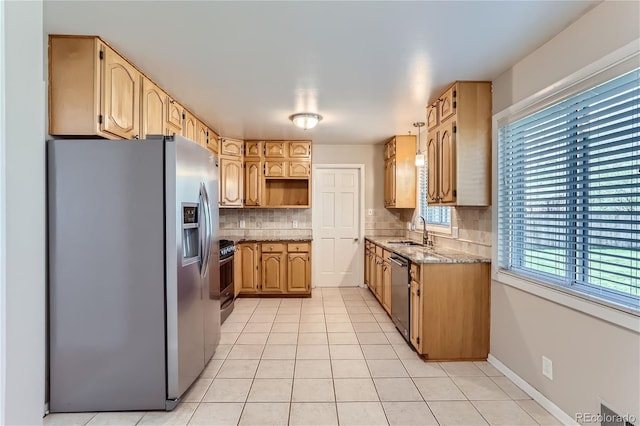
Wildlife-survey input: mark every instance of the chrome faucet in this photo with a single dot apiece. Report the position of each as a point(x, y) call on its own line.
point(425, 233)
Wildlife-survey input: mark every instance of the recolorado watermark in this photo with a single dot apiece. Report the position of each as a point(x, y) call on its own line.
point(604, 418)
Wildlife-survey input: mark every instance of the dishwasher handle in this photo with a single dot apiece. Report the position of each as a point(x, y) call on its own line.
point(399, 261)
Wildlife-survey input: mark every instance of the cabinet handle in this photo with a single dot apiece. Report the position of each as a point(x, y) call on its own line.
point(136, 136)
point(171, 101)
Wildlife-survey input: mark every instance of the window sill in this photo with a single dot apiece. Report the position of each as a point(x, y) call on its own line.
point(618, 315)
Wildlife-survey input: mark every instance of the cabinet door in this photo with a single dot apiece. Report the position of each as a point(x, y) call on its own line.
point(390, 182)
point(174, 116)
point(231, 179)
point(447, 104)
point(415, 323)
point(299, 169)
point(386, 286)
point(387, 185)
point(250, 267)
point(274, 169)
point(253, 149)
point(274, 149)
point(379, 277)
point(154, 105)
point(300, 149)
point(231, 147)
point(432, 167)
point(202, 134)
point(367, 268)
point(447, 175)
point(372, 272)
point(212, 142)
point(273, 272)
point(120, 97)
point(189, 126)
point(298, 273)
point(253, 183)
point(432, 116)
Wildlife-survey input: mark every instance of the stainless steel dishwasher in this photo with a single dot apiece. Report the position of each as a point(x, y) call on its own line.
point(400, 291)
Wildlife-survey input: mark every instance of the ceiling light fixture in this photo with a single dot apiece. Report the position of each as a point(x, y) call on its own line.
point(305, 120)
point(419, 154)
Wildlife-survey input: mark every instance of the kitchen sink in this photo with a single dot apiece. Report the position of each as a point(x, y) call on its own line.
point(405, 243)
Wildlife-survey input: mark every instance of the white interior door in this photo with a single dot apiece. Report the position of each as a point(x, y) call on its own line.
point(337, 227)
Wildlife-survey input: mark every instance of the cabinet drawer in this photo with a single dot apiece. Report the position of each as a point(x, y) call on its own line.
point(272, 247)
point(298, 247)
point(299, 169)
point(386, 254)
point(379, 251)
point(253, 149)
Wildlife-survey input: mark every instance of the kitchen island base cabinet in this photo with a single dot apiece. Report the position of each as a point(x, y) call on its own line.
point(274, 269)
point(450, 311)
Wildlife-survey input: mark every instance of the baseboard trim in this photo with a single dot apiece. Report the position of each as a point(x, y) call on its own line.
point(532, 392)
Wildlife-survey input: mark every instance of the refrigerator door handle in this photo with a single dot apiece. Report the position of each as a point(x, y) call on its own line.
point(207, 227)
point(203, 224)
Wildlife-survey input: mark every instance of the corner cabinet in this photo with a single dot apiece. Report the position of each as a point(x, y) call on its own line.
point(459, 146)
point(400, 172)
point(275, 267)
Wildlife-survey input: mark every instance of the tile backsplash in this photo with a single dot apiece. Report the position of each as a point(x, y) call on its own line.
point(265, 222)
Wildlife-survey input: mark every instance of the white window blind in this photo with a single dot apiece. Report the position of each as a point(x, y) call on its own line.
point(434, 215)
point(569, 192)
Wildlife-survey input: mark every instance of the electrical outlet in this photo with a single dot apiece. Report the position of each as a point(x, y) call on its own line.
point(242, 223)
point(294, 224)
point(454, 232)
point(370, 212)
point(547, 368)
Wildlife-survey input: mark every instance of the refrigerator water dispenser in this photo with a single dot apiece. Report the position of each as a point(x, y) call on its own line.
point(190, 232)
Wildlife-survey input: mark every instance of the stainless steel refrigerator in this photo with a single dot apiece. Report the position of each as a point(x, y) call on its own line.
point(134, 311)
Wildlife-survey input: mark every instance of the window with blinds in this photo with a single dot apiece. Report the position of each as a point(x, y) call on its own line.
point(569, 192)
point(434, 215)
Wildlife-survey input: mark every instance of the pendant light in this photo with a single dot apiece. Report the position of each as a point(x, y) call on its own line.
point(419, 154)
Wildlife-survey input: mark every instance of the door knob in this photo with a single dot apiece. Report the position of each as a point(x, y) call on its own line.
point(356, 239)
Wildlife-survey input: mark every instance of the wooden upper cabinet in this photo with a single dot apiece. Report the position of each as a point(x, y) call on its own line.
point(447, 148)
point(253, 149)
point(120, 96)
point(273, 272)
point(432, 116)
point(231, 182)
point(253, 183)
point(275, 169)
point(298, 273)
point(299, 169)
point(189, 126)
point(231, 147)
point(459, 148)
point(447, 104)
point(433, 165)
point(300, 149)
point(274, 149)
point(174, 117)
point(400, 172)
point(202, 134)
point(250, 267)
point(213, 141)
point(154, 109)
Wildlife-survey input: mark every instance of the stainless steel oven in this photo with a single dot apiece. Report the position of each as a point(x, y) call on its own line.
point(227, 249)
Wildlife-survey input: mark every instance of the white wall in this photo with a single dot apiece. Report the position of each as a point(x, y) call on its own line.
point(25, 212)
point(593, 359)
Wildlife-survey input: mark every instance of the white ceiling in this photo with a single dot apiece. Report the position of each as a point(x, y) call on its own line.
point(369, 68)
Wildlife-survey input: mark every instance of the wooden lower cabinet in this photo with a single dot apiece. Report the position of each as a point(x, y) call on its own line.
point(450, 309)
point(415, 323)
point(385, 291)
point(249, 268)
point(274, 268)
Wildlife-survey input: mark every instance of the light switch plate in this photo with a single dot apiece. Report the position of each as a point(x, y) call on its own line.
point(370, 212)
point(454, 232)
point(243, 224)
point(294, 224)
point(547, 368)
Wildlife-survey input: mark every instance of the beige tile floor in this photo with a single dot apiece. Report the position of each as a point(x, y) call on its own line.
point(335, 358)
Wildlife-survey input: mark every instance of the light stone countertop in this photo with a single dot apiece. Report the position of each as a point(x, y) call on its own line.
point(284, 238)
point(420, 254)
